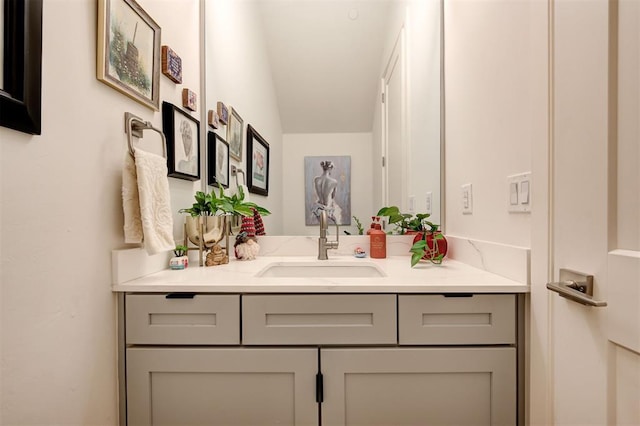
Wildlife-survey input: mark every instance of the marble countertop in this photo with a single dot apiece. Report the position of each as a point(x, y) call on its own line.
point(241, 277)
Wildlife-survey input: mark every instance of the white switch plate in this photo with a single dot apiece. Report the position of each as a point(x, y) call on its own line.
point(467, 199)
point(519, 193)
point(429, 201)
point(412, 203)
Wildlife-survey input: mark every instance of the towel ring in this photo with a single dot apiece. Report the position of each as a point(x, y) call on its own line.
point(134, 126)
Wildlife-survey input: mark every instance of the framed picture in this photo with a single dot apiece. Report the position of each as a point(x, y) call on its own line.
point(234, 134)
point(171, 65)
point(129, 51)
point(223, 113)
point(258, 164)
point(213, 119)
point(189, 100)
point(21, 65)
point(327, 186)
point(183, 142)
point(217, 160)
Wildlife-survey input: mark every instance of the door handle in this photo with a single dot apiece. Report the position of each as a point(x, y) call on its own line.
point(577, 287)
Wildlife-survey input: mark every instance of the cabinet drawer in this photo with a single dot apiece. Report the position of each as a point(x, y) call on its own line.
point(204, 319)
point(441, 320)
point(319, 319)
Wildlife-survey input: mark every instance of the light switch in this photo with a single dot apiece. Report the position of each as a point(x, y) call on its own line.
point(467, 199)
point(513, 193)
point(524, 192)
point(519, 187)
point(429, 199)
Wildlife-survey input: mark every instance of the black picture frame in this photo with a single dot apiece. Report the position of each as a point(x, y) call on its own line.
point(257, 162)
point(21, 89)
point(217, 155)
point(183, 159)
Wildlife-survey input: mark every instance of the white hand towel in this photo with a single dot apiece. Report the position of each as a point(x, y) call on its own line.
point(154, 203)
point(131, 202)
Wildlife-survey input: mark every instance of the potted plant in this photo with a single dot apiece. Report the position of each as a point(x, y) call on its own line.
point(180, 261)
point(236, 206)
point(428, 243)
point(212, 209)
point(406, 223)
point(204, 218)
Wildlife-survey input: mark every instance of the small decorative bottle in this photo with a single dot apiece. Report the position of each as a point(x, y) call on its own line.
point(378, 241)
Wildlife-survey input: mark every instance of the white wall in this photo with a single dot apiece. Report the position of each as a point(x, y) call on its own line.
point(495, 112)
point(238, 74)
point(60, 217)
point(298, 146)
point(496, 125)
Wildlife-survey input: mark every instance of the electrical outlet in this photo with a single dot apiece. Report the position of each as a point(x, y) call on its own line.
point(429, 200)
point(467, 199)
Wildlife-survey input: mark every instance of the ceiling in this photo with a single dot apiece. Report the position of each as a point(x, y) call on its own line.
point(326, 60)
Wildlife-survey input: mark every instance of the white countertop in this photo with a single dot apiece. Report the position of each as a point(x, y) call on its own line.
point(240, 277)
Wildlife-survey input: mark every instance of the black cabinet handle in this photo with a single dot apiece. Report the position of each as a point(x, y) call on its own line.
point(180, 296)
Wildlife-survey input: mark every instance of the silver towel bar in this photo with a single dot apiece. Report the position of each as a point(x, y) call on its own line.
point(134, 126)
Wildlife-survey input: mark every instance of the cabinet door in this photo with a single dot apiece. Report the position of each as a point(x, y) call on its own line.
point(221, 386)
point(419, 386)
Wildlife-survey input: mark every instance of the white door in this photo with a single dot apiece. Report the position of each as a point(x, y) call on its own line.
point(593, 354)
point(394, 134)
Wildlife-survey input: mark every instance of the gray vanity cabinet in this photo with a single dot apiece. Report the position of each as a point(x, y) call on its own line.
point(419, 386)
point(221, 386)
point(320, 359)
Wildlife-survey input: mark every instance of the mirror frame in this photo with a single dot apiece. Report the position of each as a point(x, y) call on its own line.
point(21, 92)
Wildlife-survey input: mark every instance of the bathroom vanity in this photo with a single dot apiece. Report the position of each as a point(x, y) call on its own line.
point(279, 341)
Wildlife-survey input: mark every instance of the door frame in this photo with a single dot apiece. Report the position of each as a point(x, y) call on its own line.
point(400, 50)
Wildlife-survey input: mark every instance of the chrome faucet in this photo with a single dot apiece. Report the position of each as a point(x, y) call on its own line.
point(323, 244)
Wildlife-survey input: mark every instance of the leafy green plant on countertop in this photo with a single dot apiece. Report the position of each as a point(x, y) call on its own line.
point(215, 204)
point(421, 250)
point(180, 250)
point(431, 245)
point(205, 205)
point(405, 222)
point(237, 206)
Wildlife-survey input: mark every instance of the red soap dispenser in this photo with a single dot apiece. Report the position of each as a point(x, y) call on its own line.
point(378, 242)
point(373, 225)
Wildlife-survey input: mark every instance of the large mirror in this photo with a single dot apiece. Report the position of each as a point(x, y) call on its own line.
point(351, 89)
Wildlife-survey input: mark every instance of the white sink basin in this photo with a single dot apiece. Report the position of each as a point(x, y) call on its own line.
point(322, 269)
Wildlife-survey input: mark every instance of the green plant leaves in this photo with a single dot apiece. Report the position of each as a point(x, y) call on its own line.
point(421, 250)
point(212, 204)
